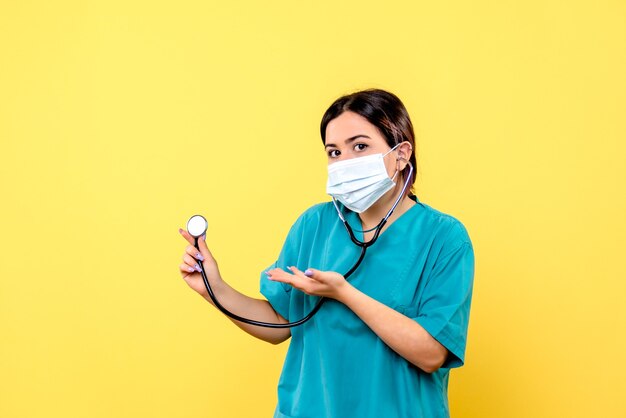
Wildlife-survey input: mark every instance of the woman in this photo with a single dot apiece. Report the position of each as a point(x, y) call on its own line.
point(383, 343)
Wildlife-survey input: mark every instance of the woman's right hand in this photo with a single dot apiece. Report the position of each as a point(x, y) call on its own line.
point(247, 307)
point(190, 270)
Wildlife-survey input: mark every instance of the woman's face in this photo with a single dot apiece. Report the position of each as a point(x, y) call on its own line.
point(350, 135)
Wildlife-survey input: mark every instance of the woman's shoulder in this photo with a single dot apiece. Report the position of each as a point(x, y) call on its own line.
point(314, 215)
point(317, 212)
point(448, 227)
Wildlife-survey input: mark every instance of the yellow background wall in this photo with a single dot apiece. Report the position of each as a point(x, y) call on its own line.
point(119, 120)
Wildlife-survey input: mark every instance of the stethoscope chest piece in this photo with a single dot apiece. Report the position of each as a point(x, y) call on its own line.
point(197, 225)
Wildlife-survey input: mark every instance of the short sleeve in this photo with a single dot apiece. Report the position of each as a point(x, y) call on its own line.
point(445, 304)
point(279, 294)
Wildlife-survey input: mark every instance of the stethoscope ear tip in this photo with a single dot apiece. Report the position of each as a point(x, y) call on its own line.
point(197, 226)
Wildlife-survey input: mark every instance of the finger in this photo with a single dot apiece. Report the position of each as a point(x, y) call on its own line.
point(186, 269)
point(186, 235)
point(314, 274)
point(310, 275)
point(193, 251)
point(191, 262)
point(279, 275)
point(302, 275)
point(301, 283)
point(275, 271)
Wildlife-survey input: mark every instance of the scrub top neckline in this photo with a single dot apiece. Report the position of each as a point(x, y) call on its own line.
point(353, 217)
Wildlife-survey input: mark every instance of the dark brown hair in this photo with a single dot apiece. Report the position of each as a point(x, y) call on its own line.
point(383, 110)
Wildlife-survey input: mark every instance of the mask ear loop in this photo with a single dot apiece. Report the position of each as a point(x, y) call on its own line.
point(394, 174)
point(394, 147)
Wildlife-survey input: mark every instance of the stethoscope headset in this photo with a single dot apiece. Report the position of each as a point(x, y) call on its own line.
point(197, 226)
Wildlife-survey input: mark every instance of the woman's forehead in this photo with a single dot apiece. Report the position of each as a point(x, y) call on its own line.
point(348, 125)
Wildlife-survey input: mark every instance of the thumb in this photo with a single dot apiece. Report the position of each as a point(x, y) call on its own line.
point(313, 273)
point(321, 276)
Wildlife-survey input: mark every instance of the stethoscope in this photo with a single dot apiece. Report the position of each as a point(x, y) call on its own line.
point(198, 225)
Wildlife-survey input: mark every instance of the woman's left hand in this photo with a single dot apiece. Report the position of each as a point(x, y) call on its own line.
point(312, 282)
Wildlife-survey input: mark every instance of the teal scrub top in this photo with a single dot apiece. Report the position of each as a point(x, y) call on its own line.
point(422, 266)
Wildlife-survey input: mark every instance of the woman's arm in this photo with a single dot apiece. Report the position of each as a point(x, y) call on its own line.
point(401, 333)
point(247, 307)
point(232, 300)
point(404, 335)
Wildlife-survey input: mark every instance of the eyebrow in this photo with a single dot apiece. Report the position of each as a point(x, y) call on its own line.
point(347, 141)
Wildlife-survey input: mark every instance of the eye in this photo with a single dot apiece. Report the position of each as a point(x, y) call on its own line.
point(360, 147)
point(334, 153)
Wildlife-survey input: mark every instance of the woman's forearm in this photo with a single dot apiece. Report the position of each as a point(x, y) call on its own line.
point(247, 307)
point(401, 333)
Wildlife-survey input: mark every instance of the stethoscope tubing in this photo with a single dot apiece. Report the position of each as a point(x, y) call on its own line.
point(228, 313)
point(320, 302)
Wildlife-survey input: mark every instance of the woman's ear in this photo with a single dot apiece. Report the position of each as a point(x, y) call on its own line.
point(404, 154)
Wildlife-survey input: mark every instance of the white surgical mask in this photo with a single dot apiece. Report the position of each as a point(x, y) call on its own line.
point(359, 182)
